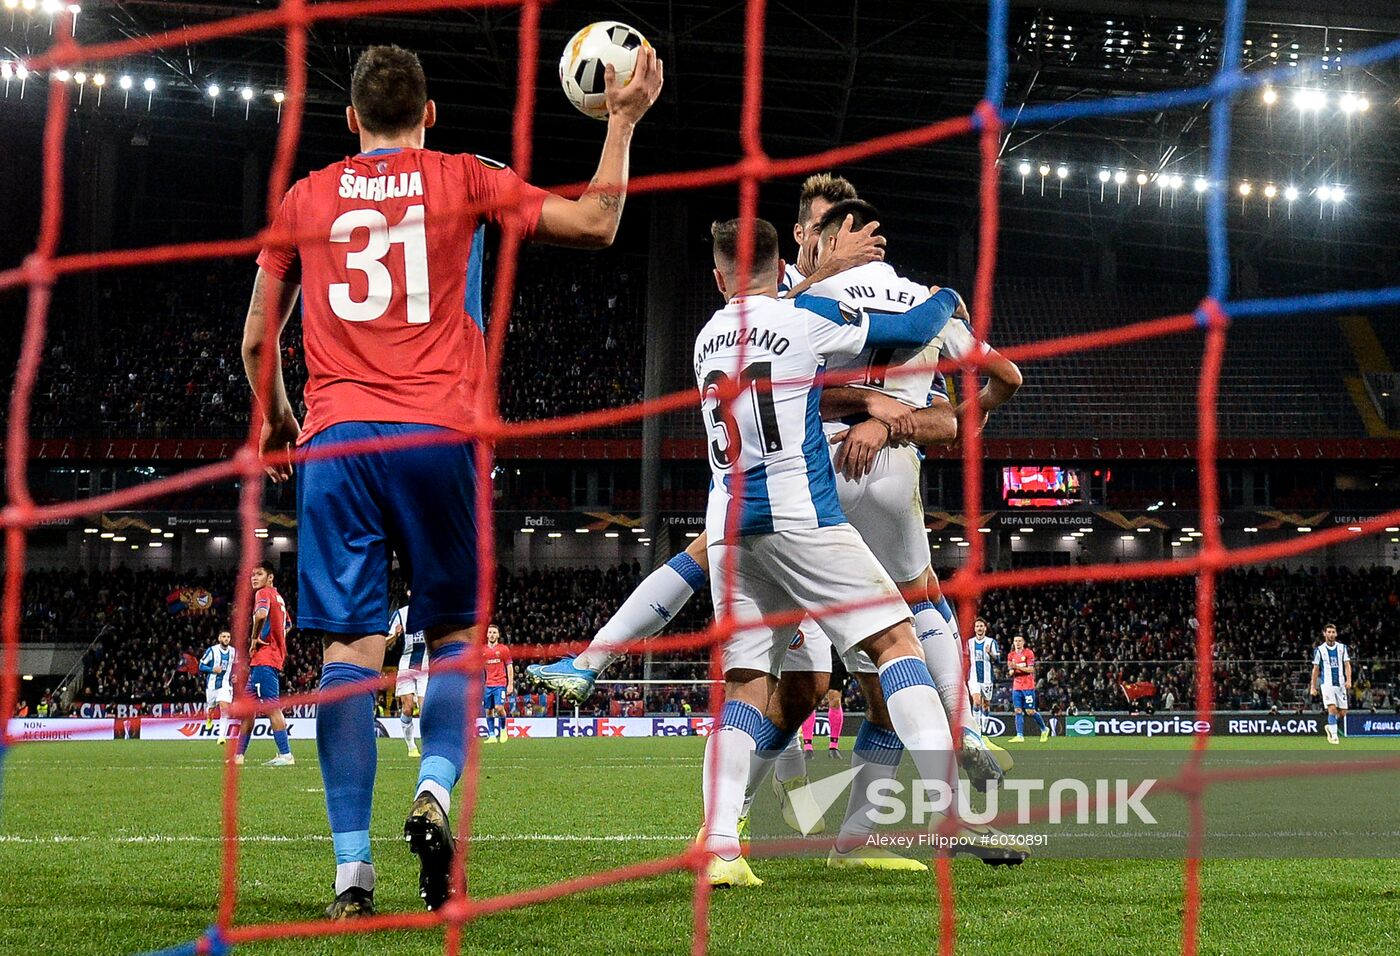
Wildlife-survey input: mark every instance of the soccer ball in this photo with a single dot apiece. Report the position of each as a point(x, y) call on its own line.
point(596, 46)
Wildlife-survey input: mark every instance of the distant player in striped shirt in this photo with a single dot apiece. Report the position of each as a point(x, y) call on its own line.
point(217, 662)
point(982, 654)
point(1331, 673)
point(411, 683)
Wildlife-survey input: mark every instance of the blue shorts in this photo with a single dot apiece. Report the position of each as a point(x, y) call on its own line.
point(354, 513)
point(264, 683)
point(494, 697)
point(1023, 699)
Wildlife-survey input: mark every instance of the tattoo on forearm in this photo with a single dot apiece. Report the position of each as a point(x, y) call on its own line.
point(609, 199)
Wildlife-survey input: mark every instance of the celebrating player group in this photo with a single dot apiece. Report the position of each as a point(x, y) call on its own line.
point(815, 505)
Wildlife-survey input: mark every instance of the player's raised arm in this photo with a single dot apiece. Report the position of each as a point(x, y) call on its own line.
point(1003, 376)
point(272, 301)
point(590, 222)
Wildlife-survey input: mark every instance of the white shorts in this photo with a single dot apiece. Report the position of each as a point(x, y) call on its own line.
point(411, 682)
point(980, 690)
point(887, 508)
point(1334, 696)
point(221, 695)
point(804, 570)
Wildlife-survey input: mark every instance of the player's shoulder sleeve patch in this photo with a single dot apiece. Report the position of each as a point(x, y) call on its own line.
point(833, 310)
point(488, 162)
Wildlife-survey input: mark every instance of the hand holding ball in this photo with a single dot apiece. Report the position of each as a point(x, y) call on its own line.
point(583, 71)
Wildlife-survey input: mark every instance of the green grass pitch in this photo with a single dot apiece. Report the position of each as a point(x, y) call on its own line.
point(112, 848)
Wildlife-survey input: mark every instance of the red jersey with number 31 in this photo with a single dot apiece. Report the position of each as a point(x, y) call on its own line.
point(1025, 658)
point(390, 274)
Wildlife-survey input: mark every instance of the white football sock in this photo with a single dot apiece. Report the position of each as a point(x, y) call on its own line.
point(657, 600)
point(791, 763)
point(918, 718)
point(407, 726)
point(354, 874)
point(875, 758)
point(439, 792)
point(729, 754)
point(945, 663)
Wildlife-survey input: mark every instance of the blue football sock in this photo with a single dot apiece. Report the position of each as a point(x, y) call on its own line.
point(346, 748)
point(1039, 720)
point(442, 722)
point(245, 735)
point(951, 617)
point(283, 745)
point(1332, 719)
point(1020, 725)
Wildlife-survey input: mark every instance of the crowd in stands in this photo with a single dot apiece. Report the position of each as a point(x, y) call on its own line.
point(1090, 639)
point(161, 356)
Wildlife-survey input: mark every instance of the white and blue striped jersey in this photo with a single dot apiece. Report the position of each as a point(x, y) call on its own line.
point(877, 288)
point(773, 436)
point(982, 653)
point(791, 278)
point(216, 655)
point(415, 645)
point(1331, 664)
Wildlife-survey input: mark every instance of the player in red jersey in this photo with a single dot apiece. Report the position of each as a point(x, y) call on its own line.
point(268, 646)
point(385, 248)
point(500, 684)
point(1021, 662)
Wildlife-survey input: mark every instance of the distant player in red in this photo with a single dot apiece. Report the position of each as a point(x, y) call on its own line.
point(500, 684)
point(385, 250)
point(1021, 662)
point(268, 646)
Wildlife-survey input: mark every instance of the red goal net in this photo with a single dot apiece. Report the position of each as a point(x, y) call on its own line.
point(45, 266)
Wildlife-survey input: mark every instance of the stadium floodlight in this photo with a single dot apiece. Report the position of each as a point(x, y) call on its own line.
point(1303, 529)
point(1187, 530)
point(107, 534)
point(964, 544)
point(1027, 530)
point(201, 530)
point(1347, 102)
point(21, 72)
point(89, 531)
point(213, 91)
point(1126, 537)
point(167, 535)
point(1324, 192)
point(1270, 96)
point(156, 544)
point(956, 537)
point(74, 9)
point(1142, 179)
point(1392, 529)
point(50, 6)
point(156, 530)
point(1024, 169)
point(1044, 169)
point(278, 97)
point(1339, 194)
point(639, 531)
point(1362, 104)
point(1200, 185)
point(1290, 193)
point(7, 71)
point(1120, 177)
point(1175, 181)
point(1104, 175)
point(1308, 100)
point(11, 4)
point(80, 77)
point(118, 537)
point(99, 79)
point(149, 85)
point(63, 76)
point(1270, 191)
point(28, 4)
point(1144, 530)
point(1251, 530)
point(580, 531)
point(1245, 189)
point(246, 93)
point(610, 534)
point(1062, 170)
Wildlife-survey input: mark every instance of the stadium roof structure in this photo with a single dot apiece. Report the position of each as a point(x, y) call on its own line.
point(838, 73)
